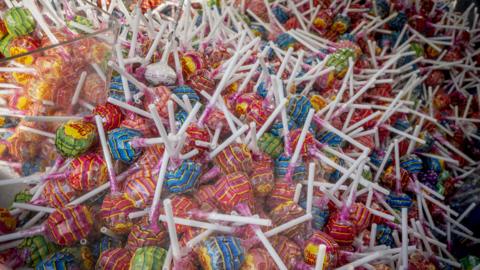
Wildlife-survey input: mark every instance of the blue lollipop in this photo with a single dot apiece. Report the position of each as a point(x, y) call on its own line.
point(184, 178)
point(119, 143)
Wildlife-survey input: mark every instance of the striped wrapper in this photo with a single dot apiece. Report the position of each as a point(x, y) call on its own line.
point(111, 115)
point(399, 200)
point(288, 250)
point(159, 97)
point(36, 249)
point(68, 225)
point(285, 212)
point(262, 178)
point(196, 133)
point(181, 205)
point(8, 223)
point(140, 187)
point(58, 192)
point(119, 144)
point(151, 156)
point(343, 232)
point(74, 138)
point(87, 172)
point(19, 21)
point(282, 192)
point(184, 178)
point(271, 145)
point(234, 158)
point(142, 236)
point(221, 252)
point(311, 249)
point(258, 259)
point(114, 259)
point(281, 168)
point(294, 136)
point(200, 81)
point(182, 90)
point(148, 258)
point(298, 107)
point(360, 216)
point(205, 196)
point(58, 261)
point(233, 189)
point(114, 213)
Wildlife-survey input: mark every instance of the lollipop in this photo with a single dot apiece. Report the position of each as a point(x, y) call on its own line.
point(221, 252)
point(19, 21)
point(142, 235)
point(114, 259)
point(232, 189)
point(58, 260)
point(257, 259)
point(119, 144)
point(8, 222)
point(140, 187)
point(58, 193)
point(87, 172)
point(74, 138)
point(36, 249)
point(148, 258)
point(111, 115)
point(184, 178)
point(311, 249)
point(114, 213)
point(234, 158)
point(64, 226)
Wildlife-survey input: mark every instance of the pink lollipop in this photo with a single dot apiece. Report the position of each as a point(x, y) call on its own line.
point(87, 172)
point(205, 196)
point(159, 96)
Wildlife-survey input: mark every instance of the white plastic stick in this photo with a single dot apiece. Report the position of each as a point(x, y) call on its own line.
point(172, 231)
point(311, 176)
point(158, 187)
point(228, 141)
point(106, 154)
point(320, 257)
point(404, 251)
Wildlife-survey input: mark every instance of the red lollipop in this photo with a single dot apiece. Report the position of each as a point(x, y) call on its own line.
point(341, 230)
point(64, 226)
point(58, 192)
point(282, 192)
point(114, 259)
point(360, 216)
point(200, 81)
point(232, 189)
point(196, 133)
point(111, 115)
point(311, 249)
point(151, 156)
point(205, 196)
point(286, 212)
point(234, 158)
point(87, 172)
point(262, 178)
point(114, 213)
point(181, 205)
point(142, 235)
point(288, 250)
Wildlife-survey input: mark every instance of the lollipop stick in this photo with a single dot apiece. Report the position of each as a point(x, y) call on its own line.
point(22, 234)
point(172, 231)
point(154, 211)
point(106, 154)
point(30, 5)
point(320, 257)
